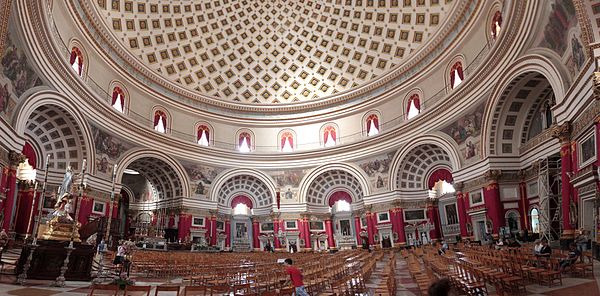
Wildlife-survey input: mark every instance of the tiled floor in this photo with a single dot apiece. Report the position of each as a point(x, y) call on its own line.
point(406, 286)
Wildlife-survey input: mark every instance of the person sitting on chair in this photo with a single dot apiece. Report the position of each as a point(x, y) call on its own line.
point(574, 254)
point(545, 250)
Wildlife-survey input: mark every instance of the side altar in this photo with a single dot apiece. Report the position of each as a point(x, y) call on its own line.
point(49, 256)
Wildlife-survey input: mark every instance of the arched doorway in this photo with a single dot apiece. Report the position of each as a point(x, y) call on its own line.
point(340, 206)
point(242, 236)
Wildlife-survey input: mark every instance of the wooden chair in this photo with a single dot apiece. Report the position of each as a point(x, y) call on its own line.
point(551, 275)
point(135, 290)
point(195, 291)
point(104, 290)
point(166, 289)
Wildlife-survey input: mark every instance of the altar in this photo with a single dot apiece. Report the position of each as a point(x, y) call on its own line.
point(49, 257)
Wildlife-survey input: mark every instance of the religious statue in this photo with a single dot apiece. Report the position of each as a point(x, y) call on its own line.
point(61, 226)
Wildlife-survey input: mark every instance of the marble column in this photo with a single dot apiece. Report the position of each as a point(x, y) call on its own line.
point(276, 243)
point(491, 196)
point(183, 229)
point(357, 229)
point(563, 134)
point(227, 233)
point(213, 230)
point(371, 227)
point(255, 234)
point(329, 232)
point(10, 188)
point(398, 219)
point(523, 202)
point(461, 208)
point(307, 242)
point(431, 216)
point(24, 204)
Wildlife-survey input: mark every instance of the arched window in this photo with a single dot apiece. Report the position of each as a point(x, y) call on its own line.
point(341, 206)
point(245, 142)
point(241, 209)
point(76, 61)
point(456, 74)
point(287, 142)
point(160, 121)
point(118, 99)
point(329, 136)
point(372, 125)
point(535, 220)
point(413, 106)
point(496, 24)
point(203, 136)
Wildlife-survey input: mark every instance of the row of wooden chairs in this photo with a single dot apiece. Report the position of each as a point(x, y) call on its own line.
point(185, 291)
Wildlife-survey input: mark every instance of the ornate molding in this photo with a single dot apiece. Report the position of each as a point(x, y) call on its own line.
point(459, 186)
point(475, 184)
point(596, 83)
point(492, 176)
point(5, 10)
point(15, 158)
point(562, 132)
point(588, 117)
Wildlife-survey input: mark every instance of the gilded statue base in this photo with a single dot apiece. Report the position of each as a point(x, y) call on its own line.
point(62, 230)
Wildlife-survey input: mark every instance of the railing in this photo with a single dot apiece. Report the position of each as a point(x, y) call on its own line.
point(451, 230)
point(190, 135)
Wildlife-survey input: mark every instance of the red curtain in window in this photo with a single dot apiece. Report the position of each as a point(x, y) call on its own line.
point(157, 115)
point(329, 130)
point(29, 153)
point(372, 118)
point(437, 175)
point(497, 19)
point(287, 137)
point(415, 98)
point(245, 136)
point(76, 53)
point(203, 128)
point(241, 199)
point(118, 91)
point(459, 70)
point(339, 195)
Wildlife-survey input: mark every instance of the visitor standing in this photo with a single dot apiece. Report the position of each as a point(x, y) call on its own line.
point(295, 277)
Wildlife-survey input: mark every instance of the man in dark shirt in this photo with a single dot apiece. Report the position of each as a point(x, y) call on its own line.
point(545, 251)
point(574, 254)
point(295, 277)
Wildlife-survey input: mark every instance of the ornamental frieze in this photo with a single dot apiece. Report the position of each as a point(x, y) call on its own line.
point(587, 118)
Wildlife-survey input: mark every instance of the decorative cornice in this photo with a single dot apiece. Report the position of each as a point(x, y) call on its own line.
point(492, 176)
point(475, 184)
point(562, 132)
point(587, 119)
point(459, 186)
point(15, 158)
point(5, 9)
point(596, 88)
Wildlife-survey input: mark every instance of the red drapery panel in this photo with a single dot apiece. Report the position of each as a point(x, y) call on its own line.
point(459, 70)
point(497, 19)
point(339, 195)
point(415, 98)
point(329, 130)
point(372, 118)
point(116, 92)
point(245, 136)
point(437, 175)
point(287, 137)
point(241, 199)
point(29, 152)
point(206, 131)
point(157, 115)
point(76, 53)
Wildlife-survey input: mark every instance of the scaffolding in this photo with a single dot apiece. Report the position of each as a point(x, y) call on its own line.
point(549, 188)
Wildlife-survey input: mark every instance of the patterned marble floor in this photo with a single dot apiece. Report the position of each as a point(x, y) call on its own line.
point(405, 285)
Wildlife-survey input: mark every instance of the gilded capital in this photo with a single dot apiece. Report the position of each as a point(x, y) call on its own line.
point(15, 158)
point(596, 82)
point(458, 186)
point(562, 132)
point(492, 176)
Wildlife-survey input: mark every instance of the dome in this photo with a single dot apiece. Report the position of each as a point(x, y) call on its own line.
point(269, 52)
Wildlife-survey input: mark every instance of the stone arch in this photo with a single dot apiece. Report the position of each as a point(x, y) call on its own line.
point(451, 161)
point(56, 125)
point(350, 178)
point(256, 185)
point(532, 63)
point(159, 168)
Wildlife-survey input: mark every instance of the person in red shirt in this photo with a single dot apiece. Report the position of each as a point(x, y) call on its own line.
point(296, 277)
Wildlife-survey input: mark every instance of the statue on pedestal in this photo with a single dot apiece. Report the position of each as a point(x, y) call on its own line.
point(61, 225)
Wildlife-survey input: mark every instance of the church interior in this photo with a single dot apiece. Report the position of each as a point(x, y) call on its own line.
point(386, 147)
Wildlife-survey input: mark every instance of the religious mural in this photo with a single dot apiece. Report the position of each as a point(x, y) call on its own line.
point(377, 169)
point(201, 177)
point(141, 188)
point(108, 150)
point(562, 34)
point(16, 76)
point(289, 183)
point(466, 132)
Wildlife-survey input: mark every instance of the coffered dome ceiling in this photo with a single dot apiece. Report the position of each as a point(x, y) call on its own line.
point(274, 51)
